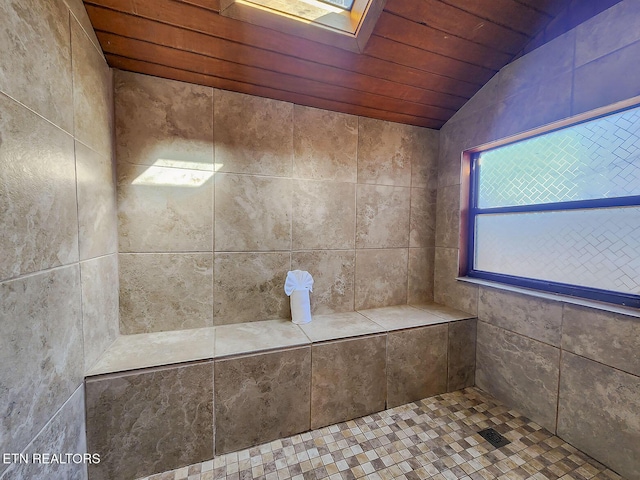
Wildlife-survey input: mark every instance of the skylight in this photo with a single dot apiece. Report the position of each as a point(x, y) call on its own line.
point(344, 4)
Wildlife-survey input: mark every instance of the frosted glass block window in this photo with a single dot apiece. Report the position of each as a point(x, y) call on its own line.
point(561, 211)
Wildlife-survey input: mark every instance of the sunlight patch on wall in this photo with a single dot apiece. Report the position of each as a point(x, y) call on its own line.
point(177, 173)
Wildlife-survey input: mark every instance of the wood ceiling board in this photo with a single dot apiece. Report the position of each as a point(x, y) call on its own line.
point(146, 30)
point(215, 82)
point(193, 18)
point(193, 62)
point(213, 5)
point(422, 36)
point(550, 7)
point(508, 13)
point(454, 21)
point(383, 48)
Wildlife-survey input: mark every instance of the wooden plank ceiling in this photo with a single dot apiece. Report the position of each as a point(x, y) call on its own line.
point(425, 59)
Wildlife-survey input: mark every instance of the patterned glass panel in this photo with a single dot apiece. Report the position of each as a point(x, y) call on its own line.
point(596, 159)
point(345, 4)
point(597, 248)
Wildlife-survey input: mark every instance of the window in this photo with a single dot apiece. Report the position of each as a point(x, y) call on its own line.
point(560, 211)
point(344, 4)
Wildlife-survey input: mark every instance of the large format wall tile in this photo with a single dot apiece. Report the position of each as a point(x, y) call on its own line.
point(150, 422)
point(34, 39)
point(252, 213)
point(605, 337)
point(424, 160)
point(164, 209)
point(462, 354)
point(64, 434)
point(598, 413)
point(422, 228)
point(100, 322)
point(253, 134)
point(97, 210)
point(416, 364)
point(160, 292)
point(420, 285)
point(163, 122)
point(333, 273)
point(80, 13)
point(520, 372)
point(382, 216)
point(38, 210)
point(325, 145)
point(348, 380)
point(249, 287)
point(323, 215)
point(446, 289)
point(381, 278)
point(92, 94)
point(448, 217)
point(385, 152)
point(41, 360)
point(261, 398)
point(536, 318)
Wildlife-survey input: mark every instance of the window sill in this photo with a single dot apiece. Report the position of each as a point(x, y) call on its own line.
point(583, 302)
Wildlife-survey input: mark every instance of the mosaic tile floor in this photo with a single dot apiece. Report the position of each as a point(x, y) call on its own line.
point(435, 438)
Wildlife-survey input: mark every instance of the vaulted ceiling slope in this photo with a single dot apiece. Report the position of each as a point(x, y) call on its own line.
point(424, 60)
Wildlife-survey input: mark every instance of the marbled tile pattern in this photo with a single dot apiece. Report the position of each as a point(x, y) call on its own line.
point(435, 438)
point(100, 322)
point(519, 371)
point(448, 217)
point(424, 160)
point(338, 326)
point(253, 135)
point(420, 285)
point(39, 231)
point(416, 363)
point(164, 209)
point(261, 398)
point(461, 354)
point(422, 223)
point(35, 45)
point(160, 292)
point(401, 317)
point(385, 153)
point(601, 336)
point(163, 122)
point(348, 379)
point(536, 318)
point(248, 287)
point(382, 216)
point(92, 94)
point(142, 423)
point(97, 210)
point(381, 277)
point(323, 215)
point(324, 145)
point(252, 213)
point(333, 274)
point(446, 289)
point(237, 339)
point(605, 422)
point(41, 362)
point(65, 433)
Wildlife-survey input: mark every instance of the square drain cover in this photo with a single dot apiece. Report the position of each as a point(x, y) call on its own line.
point(494, 438)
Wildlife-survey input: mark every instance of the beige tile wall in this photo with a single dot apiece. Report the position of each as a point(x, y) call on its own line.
point(58, 267)
point(263, 187)
point(571, 369)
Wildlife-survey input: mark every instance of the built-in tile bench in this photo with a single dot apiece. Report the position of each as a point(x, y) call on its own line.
point(159, 401)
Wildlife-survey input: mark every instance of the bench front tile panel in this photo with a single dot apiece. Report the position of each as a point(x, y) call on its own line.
point(462, 354)
point(348, 379)
point(151, 421)
point(416, 364)
point(260, 398)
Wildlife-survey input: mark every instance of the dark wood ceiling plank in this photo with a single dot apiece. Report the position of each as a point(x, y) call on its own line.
point(508, 13)
point(454, 21)
point(193, 62)
point(203, 21)
point(162, 71)
point(174, 37)
point(383, 48)
point(405, 31)
point(550, 7)
point(213, 5)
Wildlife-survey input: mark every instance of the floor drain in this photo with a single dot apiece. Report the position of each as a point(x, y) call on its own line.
point(494, 438)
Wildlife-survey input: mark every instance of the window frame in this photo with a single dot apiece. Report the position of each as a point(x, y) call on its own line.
point(470, 211)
